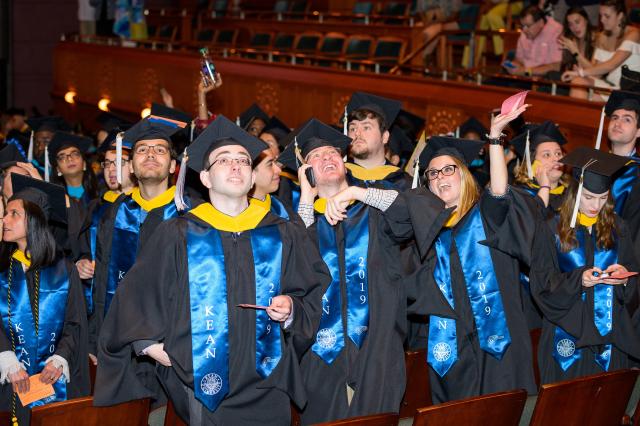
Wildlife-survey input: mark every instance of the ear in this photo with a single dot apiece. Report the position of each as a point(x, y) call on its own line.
point(205, 179)
point(130, 165)
point(637, 133)
point(253, 178)
point(385, 137)
point(172, 168)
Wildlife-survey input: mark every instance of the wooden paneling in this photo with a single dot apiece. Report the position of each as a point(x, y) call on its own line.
point(132, 78)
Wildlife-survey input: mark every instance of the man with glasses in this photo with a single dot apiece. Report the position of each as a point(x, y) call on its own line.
point(231, 299)
point(128, 223)
point(538, 51)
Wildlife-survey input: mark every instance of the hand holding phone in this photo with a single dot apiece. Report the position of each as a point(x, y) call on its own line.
point(310, 177)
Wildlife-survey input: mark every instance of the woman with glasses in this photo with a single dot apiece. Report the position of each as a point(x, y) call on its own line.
point(481, 345)
point(66, 156)
point(43, 321)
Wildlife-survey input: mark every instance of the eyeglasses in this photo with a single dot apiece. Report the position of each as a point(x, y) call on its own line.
point(108, 163)
point(66, 157)
point(432, 174)
point(228, 162)
point(156, 149)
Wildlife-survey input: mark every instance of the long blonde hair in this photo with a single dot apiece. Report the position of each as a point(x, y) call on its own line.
point(469, 191)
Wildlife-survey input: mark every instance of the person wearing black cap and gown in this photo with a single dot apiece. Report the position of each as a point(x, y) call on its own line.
point(221, 363)
point(128, 223)
point(474, 262)
point(42, 296)
point(71, 168)
point(42, 131)
point(355, 366)
point(541, 173)
point(109, 122)
point(274, 133)
point(473, 129)
point(253, 120)
point(88, 234)
point(12, 161)
point(368, 122)
point(587, 324)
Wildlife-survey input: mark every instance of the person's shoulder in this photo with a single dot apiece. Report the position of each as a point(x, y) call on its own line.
point(631, 34)
point(554, 26)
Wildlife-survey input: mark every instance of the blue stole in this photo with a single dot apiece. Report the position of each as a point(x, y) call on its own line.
point(124, 244)
point(295, 197)
point(622, 186)
point(209, 311)
point(93, 236)
point(34, 348)
point(565, 352)
point(278, 208)
point(330, 336)
point(483, 290)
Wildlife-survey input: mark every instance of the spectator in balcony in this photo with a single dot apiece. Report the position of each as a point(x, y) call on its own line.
point(616, 46)
point(494, 20)
point(437, 16)
point(538, 51)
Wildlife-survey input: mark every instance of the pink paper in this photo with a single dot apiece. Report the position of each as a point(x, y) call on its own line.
point(249, 306)
point(513, 102)
point(623, 275)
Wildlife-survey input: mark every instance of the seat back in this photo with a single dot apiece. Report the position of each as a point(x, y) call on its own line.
point(81, 411)
point(389, 49)
point(395, 8)
point(283, 42)
point(226, 37)
point(171, 418)
point(362, 8)
point(205, 35)
point(333, 44)
point(387, 419)
point(418, 391)
point(504, 409)
point(358, 47)
point(219, 7)
point(281, 6)
point(167, 32)
point(308, 42)
point(260, 40)
point(587, 401)
point(468, 16)
point(299, 6)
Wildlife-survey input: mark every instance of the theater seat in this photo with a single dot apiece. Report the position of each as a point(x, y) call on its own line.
point(81, 411)
point(387, 419)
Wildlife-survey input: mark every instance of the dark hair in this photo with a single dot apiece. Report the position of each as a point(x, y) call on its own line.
point(535, 12)
point(567, 58)
point(620, 7)
point(364, 113)
point(41, 245)
point(89, 180)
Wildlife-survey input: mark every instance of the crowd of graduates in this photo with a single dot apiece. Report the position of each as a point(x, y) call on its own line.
point(236, 267)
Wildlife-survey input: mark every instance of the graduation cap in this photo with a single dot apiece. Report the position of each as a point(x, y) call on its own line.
point(159, 110)
point(109, 121)
point(386, 108)
point(473, 125)
point(109, 143)
point(250, 114)
point(594, 170)
point(465, 150)
point(49, 197)
point(277, 128)
point(221, 132)
point(63, 140)
point(411, 123)
point(399, 141)
point(311, 135)
point(19, 139)
point(52, 123)
point(9, 156)
point(15, 111)
point(622, 100)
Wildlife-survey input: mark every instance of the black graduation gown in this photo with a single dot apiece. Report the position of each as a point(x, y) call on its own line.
point(289, 191)
point(66, 234)
point(72, 345)
point(559, 296)
point(476, 372)
point(398, 180)
point(376, 371)
point(152, 303)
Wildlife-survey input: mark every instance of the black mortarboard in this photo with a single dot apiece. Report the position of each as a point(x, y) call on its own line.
point(465, 150)
point(63, 140)
point(50, 197)
point(473, 125)
point(221, 132)
point(412, 124)
point(51, 123)
point(158, 110)
point(600, 167)
point(21, 140)
point(622, 100)
point(152, 127)
point(545, 132)
point(399, 142)
point(387, 108)
point(311, 135)
point(109, 143)
point(109, 121)
point(250, 114)
point(15, 111)
point(277, 128)
point(9, 156)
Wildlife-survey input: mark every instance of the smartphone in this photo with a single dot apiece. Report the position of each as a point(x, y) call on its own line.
point(508, 64)
point(310, 177)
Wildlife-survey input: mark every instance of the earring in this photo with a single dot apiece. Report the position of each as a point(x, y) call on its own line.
point(84, 168)
point(59, 173)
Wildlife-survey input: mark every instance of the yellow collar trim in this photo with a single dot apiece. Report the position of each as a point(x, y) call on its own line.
point(453, 219)
point(320, 205)
point(22, 258)
point(291, 177)
point(248, 219)
point(376, 173)
point(161, 200)
point(585, 220)
point(558, 190)
point(265, 204)
point(110, 196)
